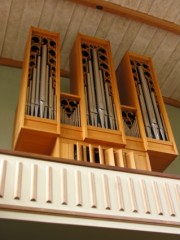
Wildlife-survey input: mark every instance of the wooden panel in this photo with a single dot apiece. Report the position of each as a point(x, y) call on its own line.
point(164, 51)
point(172, 89)
point(101, 155)
point(119, 194)
point(64, 199)
point(3, 167)
point(13, 23)
point(79, 152)
point(119, 158)
point(105, 184)
point(109, 157)
point(104, 25)
point(142, 161)
point(30, 17)
point(160, 8)
point(143, 38)
point(130, 160)
point(127, 41)
point(145, 197)
point(161, 151)
point(157, 198)
point(47, 13)
point(36, 133)
point(72, 30)
point(154, 43)
point(34, 182)
point(4, 19)
point(91, 153)
point(49, 184)
point(18, 180)
point(78, 188)
point(92, 189)
point(120, 25)
point(132, 193)
point(169, 200)
point(89, 24)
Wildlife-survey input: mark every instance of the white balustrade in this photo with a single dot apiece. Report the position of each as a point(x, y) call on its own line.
point(59, 189)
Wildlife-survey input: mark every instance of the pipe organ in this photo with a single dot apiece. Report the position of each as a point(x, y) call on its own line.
point(107, 118)
point(37, 117)
point(70, 110)
point(152, 117)
point(100, 106)
point(93, 79)
point(139, 89)
point(130, 122)
point(41, 90)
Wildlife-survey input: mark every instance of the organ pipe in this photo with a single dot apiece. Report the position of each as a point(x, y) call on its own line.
point(153, 121)
point(100, 105)
point(70, 111)
point(41, 92)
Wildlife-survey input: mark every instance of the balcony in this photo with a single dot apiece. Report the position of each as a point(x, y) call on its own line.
point(51, 190)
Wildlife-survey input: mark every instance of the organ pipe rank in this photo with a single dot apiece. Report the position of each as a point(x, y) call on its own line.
point(130, 123)
point(152, 117)
point(70, 112)
point(100, 107)
point(41, 92)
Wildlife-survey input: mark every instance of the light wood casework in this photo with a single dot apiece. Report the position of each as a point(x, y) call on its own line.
point(70, 116)
point(139, 90)
point(37, 122)
point(104, 155)
point(93, 79)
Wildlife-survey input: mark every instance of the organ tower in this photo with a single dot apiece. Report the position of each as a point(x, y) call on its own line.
point(112, 118)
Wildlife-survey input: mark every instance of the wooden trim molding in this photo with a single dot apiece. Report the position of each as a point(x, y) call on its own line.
point(65, 213)
point(131, 14)
point(10, 62)
point(172, 102)
point(86, 164)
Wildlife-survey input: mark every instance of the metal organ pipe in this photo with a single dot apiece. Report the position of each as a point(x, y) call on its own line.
point(144, 112)
point(33, 91)
point(152, 117)
point(43, 80)
point(100, 106)
point(99, 91)
point(148, 101)
point(41, 90)
point(70, 111)
point(37, 85)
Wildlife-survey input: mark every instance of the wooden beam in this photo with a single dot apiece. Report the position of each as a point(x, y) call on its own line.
point(10, 62)
point(131, 14)
point(64, 73)
point(172, 102)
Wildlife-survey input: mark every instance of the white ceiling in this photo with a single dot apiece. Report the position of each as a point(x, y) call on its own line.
point(69, 18)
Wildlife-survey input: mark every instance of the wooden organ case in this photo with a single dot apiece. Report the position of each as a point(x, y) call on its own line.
point(37, 117)
point(140, 92)
point(91, 122)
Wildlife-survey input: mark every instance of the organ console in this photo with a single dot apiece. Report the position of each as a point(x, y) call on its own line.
point(92, 123)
